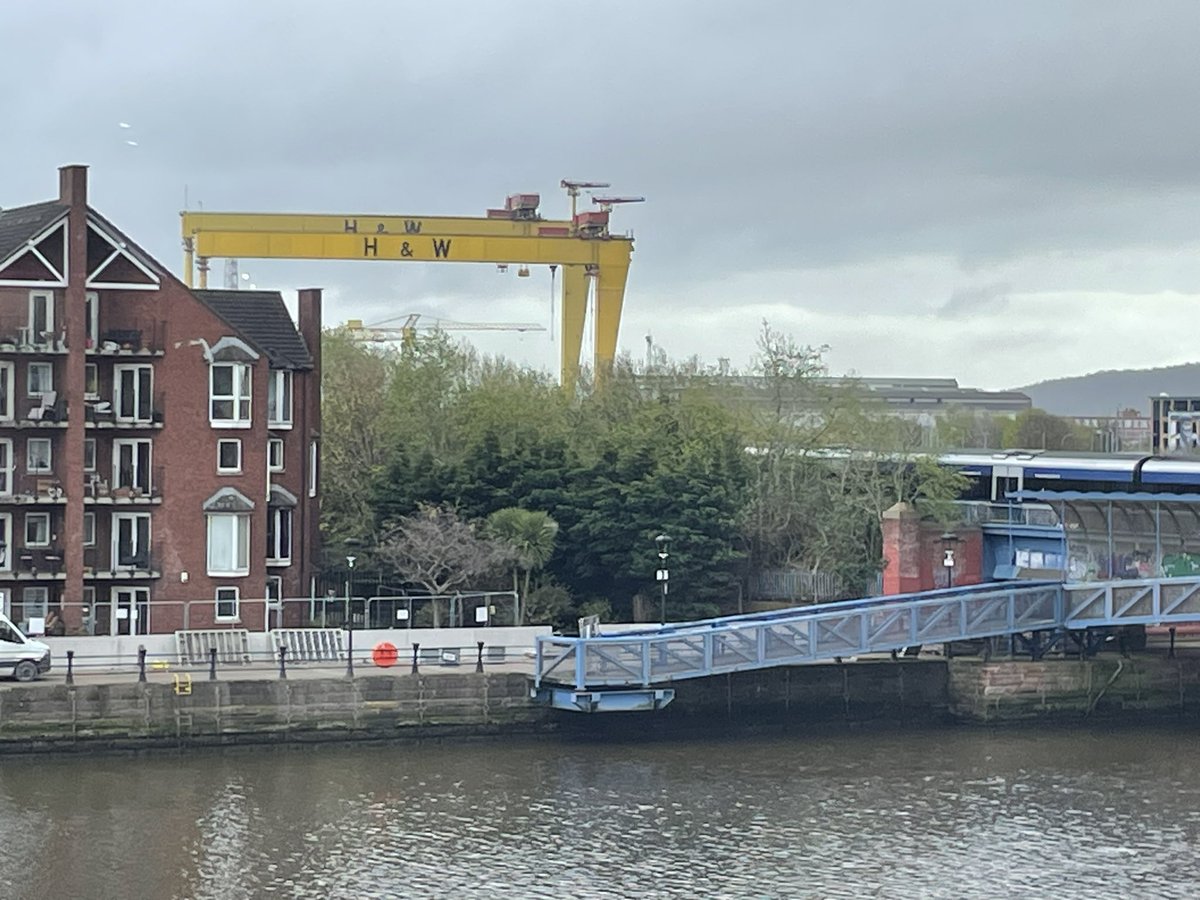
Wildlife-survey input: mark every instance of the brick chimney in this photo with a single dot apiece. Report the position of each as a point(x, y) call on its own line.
point(309, 310)
point(72, 185)
point(309, 524)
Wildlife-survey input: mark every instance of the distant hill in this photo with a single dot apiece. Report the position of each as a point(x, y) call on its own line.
point(1103, 393)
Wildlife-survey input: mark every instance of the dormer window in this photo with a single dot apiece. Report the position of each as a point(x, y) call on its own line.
point(229, 383)
point(229, 395)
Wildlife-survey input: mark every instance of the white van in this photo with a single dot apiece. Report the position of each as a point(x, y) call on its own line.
point(20, 657)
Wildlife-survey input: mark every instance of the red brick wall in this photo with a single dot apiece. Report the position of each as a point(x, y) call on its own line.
point(184, 454)
point(914, 552)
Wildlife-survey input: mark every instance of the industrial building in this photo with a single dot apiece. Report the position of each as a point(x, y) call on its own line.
point(158, 446)
point(1175, 422)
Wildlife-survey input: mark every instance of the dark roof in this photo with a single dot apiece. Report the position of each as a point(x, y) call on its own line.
point(262, 317)
point(19, 224)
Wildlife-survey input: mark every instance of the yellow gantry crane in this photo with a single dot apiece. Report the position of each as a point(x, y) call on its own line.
point(406, 332)
point(589, 254)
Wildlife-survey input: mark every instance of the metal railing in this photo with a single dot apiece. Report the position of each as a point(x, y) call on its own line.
point(1028, 514)
point(856, 627)
point(216, 662)
point(161, 616)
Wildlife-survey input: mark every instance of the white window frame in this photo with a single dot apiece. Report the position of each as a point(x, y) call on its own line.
point(39, 366)
point(29, 467)
point(89, 454)
point(6, 530)
point(91, 377)
point(137, 601)
point(89, 529)
point(279, 380)
point(277, 553)
point(7, 465)
point(8, 387)
point(241, 386)
point(35, 337)
point(37, 518)
point(227, 470)
point(139, 479)
point(92, 318)
point(312, 469)
point(239, 541)
point(276, 461)
point(135, 544)
point(138, 401)
point(228, 595)
point(35, 603)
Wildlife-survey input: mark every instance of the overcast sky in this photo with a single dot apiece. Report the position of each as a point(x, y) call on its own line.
point(997, 192)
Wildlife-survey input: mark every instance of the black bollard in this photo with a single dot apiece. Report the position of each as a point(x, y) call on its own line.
point(1171, 651)
point(70, 663)
point(416, 649)
point(479, 658)
point(349, 652)
point(283, 662)
point(212, 663)
point(141, 663)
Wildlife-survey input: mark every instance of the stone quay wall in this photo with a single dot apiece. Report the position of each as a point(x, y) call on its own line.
point(907, 693)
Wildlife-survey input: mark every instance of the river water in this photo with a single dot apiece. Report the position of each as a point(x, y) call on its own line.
point(943, 813)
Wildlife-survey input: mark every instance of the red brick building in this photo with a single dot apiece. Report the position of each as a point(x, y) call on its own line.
point(158, 445)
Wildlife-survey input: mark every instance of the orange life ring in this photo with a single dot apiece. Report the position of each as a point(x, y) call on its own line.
point(385, 655)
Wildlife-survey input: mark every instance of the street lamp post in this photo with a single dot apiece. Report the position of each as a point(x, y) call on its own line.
point(949, 541)
point(349, 622)
point(663, 574)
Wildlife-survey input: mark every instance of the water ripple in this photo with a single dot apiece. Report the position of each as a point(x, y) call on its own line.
point(932, 814)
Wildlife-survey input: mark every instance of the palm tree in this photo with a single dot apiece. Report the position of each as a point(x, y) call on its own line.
point(530, 536)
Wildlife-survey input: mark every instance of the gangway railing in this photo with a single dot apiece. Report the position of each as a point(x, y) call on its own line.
point(856, 627)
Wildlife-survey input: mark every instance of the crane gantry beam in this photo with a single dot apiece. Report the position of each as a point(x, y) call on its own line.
point(583, 251)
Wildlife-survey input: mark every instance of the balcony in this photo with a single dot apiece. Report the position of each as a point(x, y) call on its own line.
point(32, 564)
point(97, 491)
point(124, 568)
point(42, 490)
point(16, 337)
point(46, 411)
point(140, 340)
point(101, 414)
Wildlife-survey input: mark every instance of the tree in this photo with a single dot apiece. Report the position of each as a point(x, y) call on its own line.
point(439, 551)
point(1037, 429)
point(529, 536)
point(354, 441)
point(961, 429)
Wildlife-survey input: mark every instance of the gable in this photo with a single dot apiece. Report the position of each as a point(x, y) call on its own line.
point(33, 252)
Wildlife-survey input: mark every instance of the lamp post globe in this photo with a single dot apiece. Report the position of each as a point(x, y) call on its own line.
point(663, 574)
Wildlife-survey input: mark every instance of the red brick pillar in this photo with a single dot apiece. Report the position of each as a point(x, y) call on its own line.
point(901, 549)
point(69, 465)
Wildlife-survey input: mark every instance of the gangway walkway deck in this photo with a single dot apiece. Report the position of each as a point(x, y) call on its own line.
point(626, 670)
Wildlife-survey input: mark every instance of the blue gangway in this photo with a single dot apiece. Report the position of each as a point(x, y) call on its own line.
point(627, 669)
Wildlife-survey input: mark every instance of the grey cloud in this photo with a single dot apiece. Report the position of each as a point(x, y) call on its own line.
point(769, 135)
point(990, 298)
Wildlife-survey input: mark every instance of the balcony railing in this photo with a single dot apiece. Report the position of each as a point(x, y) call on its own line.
point(125, 567)
point(32, 564)
point(140, 338)
point(99, 490)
